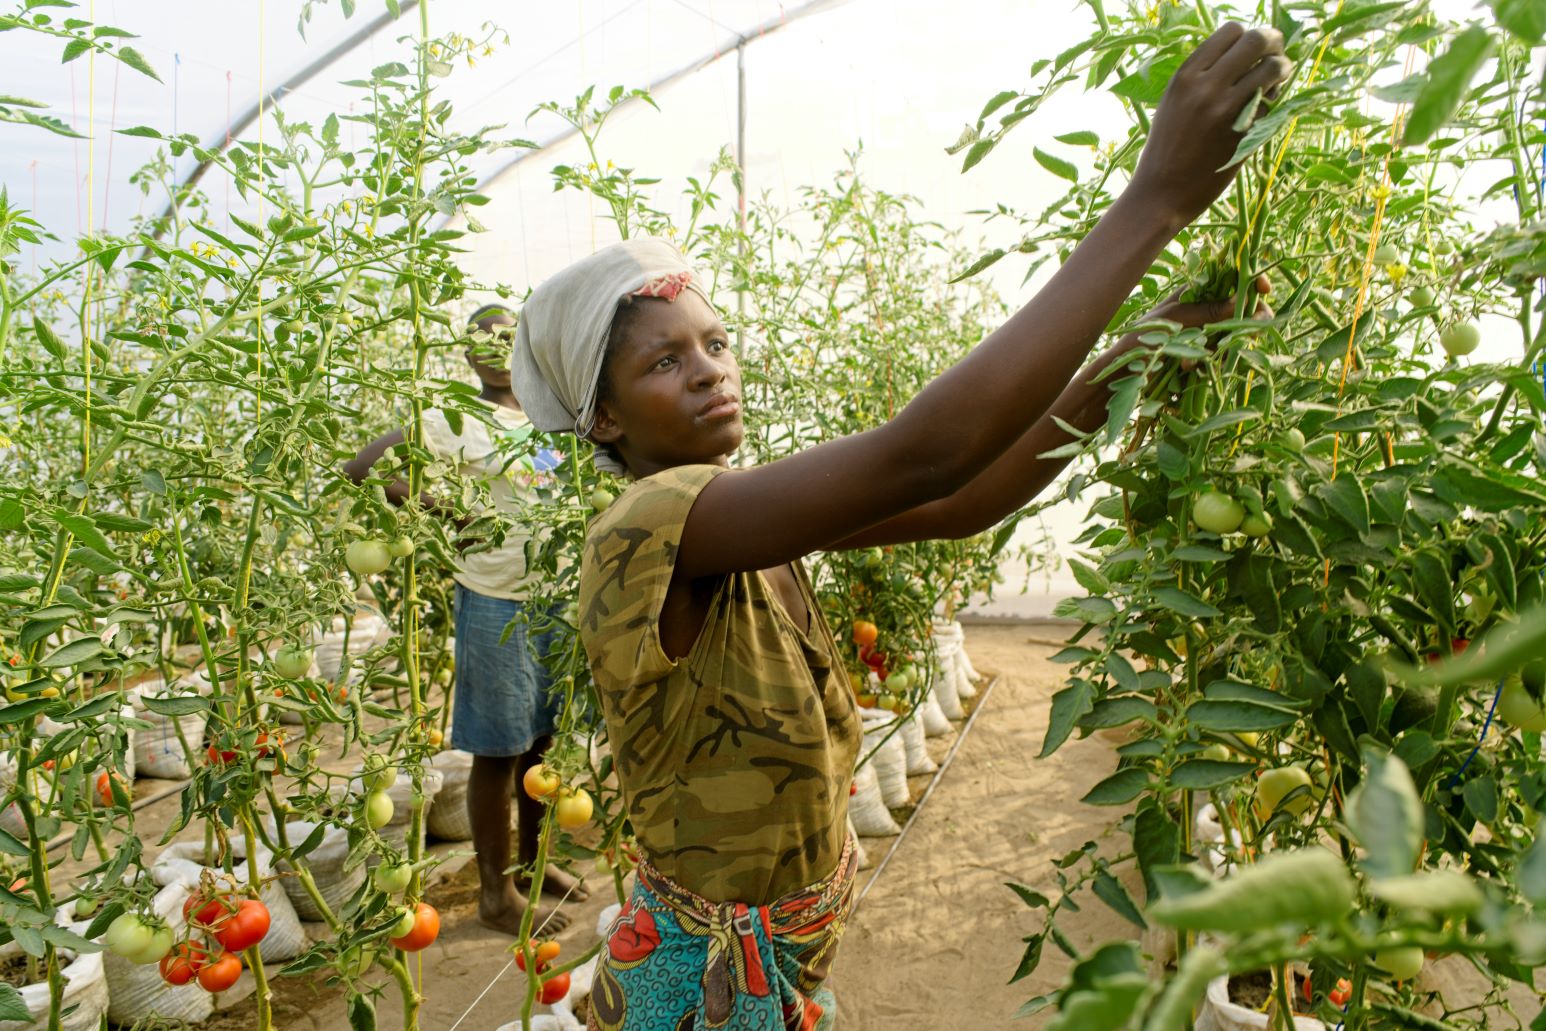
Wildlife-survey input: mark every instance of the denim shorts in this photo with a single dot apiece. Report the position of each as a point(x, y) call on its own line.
point(503, 701)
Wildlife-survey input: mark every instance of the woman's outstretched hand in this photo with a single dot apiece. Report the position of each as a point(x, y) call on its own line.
point(1196, 314)
point(1181, 168)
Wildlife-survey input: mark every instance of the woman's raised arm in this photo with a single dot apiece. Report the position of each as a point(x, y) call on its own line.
point(968, 417)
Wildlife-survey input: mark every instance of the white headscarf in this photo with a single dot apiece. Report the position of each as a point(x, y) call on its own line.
point(561, 337)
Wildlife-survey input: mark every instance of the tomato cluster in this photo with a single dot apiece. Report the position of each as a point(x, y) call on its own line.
point(551, 988)
point(221, 926)
point(573, 806)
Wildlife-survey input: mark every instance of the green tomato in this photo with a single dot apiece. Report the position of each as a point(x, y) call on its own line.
point(1460, 338)
point(1216, 751)
point(378, 774)
point(601, 499)
point(365, 558)
point(1400, 962)
point(405, 922)
point(400, 547)
point(160, 945)
point(1443, 246)
point(1292, 439)
point(379, 809)
point(1275, 784)
point(1257, 524)
point(1217, 513)
point(1518, 709)
point(1420, 296)
point(292, 661)
point(137, 939)
point(393, 878)
point(1386, 254)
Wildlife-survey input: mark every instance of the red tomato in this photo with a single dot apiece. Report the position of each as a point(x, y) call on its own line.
point(220, 973)
point(553, 989)
point(426, 928)
point(204, 910)
point(1341, 993)
point(241, 930)
point(219, 756)
point(184, 961)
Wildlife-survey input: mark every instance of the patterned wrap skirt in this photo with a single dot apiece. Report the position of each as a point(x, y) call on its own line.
point(675, 961)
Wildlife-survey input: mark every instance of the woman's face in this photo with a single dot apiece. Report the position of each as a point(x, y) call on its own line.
point(674, 388)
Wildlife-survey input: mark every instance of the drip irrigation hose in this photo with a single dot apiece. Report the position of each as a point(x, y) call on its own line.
point(966, 728)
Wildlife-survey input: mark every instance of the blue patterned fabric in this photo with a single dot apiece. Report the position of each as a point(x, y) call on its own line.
point(677, 962)
point(503, 702)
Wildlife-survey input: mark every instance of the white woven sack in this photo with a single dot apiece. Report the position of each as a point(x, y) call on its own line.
point(335, 878)
point(85, 989)
point(867, 810)
point(932, 717)
point(963, 678)
point(448, 818)
point(918, 759)
point(862, 858)
point(136, 991)
point(942, 685)
point(889, 757)
point(580, 980)
point(182, 863)
point(554, 1021)
point(158, 751)
point(1219, 1014)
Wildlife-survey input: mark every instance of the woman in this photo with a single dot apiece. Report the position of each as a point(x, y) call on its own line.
point(726, 704)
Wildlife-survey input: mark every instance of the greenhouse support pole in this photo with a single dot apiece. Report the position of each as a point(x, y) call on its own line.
point(224, 138)
point(740, 186)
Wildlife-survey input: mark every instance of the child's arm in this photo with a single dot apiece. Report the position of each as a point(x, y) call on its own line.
point(962, 422)
point(357, 469)
point(1021, 474)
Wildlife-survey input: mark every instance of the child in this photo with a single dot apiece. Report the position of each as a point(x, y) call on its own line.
point(503, 711)
point(726, 704)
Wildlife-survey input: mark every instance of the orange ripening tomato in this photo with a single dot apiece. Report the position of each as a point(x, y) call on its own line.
point(539, 781)
point(865, 633)
point(426, 928)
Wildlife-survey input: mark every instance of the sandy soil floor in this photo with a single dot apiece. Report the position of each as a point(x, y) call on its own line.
point(933, 943)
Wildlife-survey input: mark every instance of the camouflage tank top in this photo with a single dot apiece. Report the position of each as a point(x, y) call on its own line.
point(734, 760)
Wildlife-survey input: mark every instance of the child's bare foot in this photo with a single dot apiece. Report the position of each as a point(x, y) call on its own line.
point(558, 884)
point(504, 914)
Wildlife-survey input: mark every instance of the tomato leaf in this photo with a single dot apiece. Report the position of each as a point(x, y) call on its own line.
point(1481, 798)
point(1237, 716)
point(1118, 789)
point(1122, 672)
point(1386, 816)
point(1344, 496)
point(1110, 891)
point(183, 705)
point(1448, 77)
point(85, 530)
point(1114, 712)
point(1147, 85)
point(133, 58)
point(1233, 690)
point(1068, 707)
point(1059, 167)
point(1531, 872)
point(72, 654)
point(1156, 841)
point(1207, 774)
point(1177, 600)
point(18, 711)
point(1524, 18)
